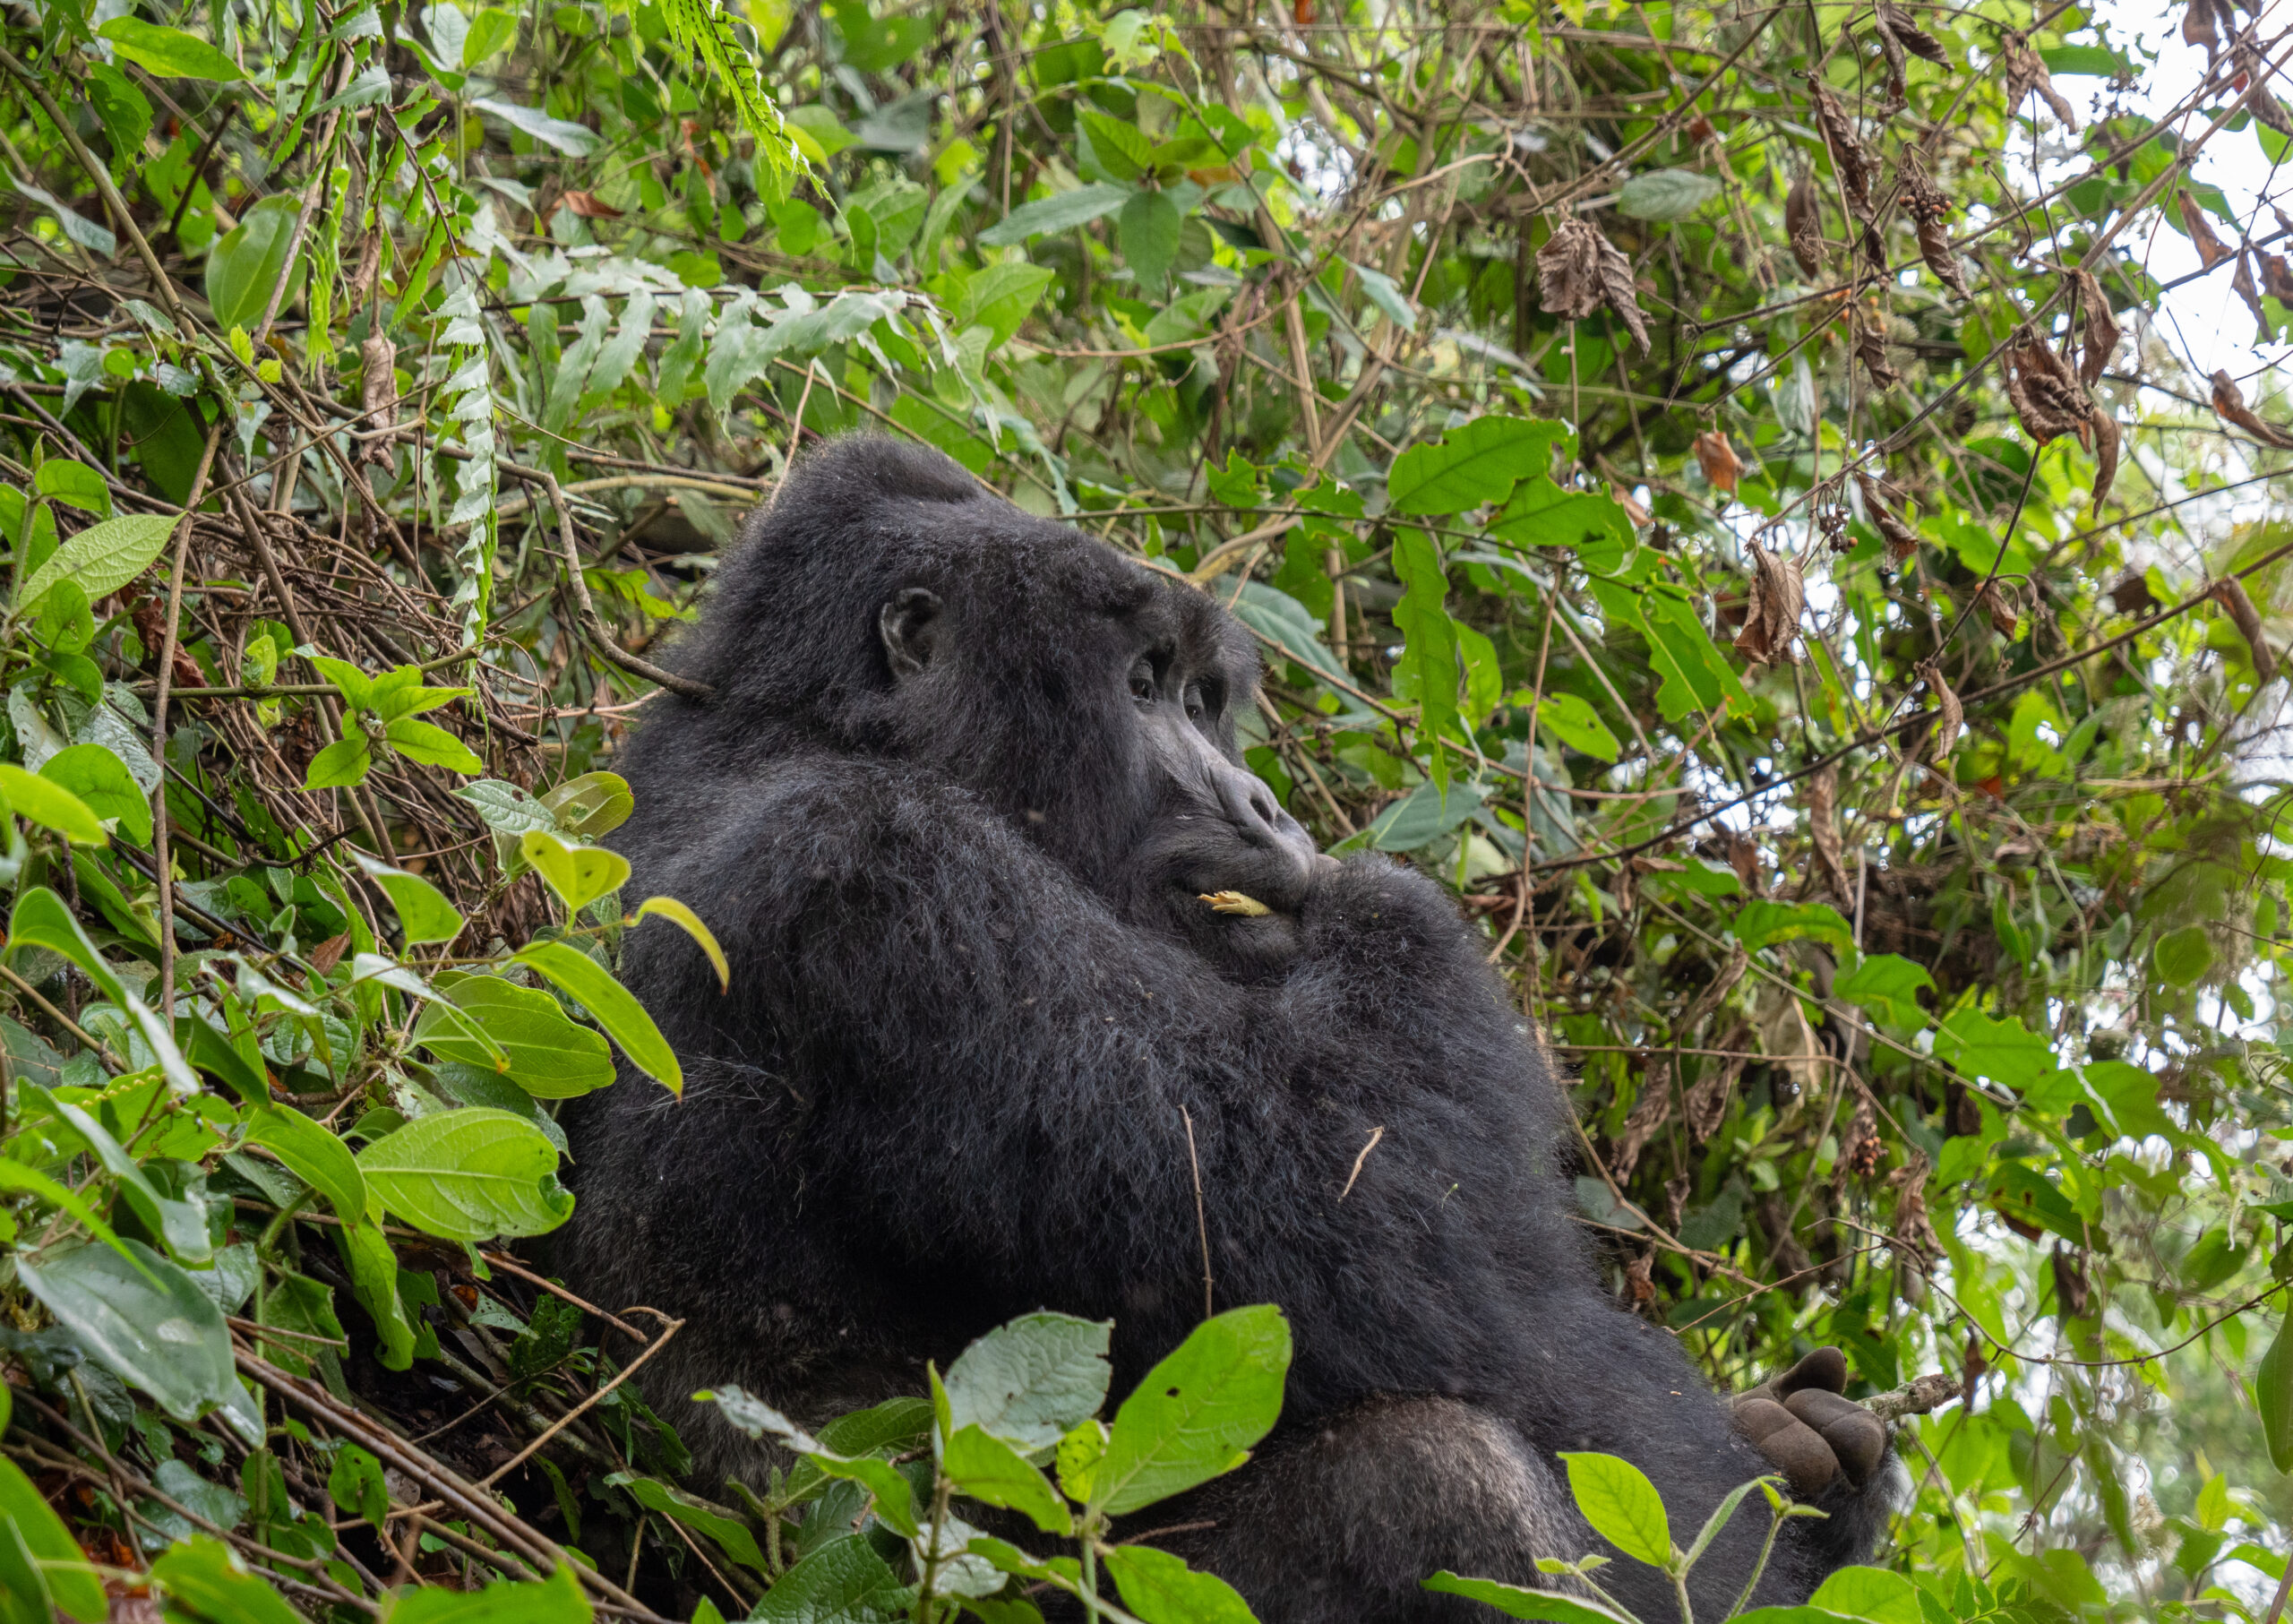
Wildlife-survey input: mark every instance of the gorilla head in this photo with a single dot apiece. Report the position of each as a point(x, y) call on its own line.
point(1089, 699)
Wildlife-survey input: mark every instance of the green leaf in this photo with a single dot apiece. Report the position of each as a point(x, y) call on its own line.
point(317, 1156)
point(1576, 723)
point(1887, 985)
point(181, 1225)
point(1516, 1602)
point(374, 1280)
point(469, 1175)
point(74, 483)
point(2273, 1396)
point(168, 53)
point(578, 874)
point(1123, 149)
point(430, 744)
point(1063, 212)
point(1761, 922)
point(1382, 291)
point(356, 687)
point(561, 135)
point(1540, 514)
point(144, 1320)
point(1159, 1588)
point(1028, 1382)
point(1868, 1592)
point(205, 1580)
point(25, 1597)
point(506, 808)
point(249, 263)
point(2004, 1050)
point(341, 764)
point(695, 1514)
point(558, 1599)
point(50, 806)
point(2182, 957)
point(999, 298)
point(1197, 1413)
point(1147, 232)
point(534, 1042)
point(591, 806)
point(355, 1483)
point(100, 781)
point(15, 1176)
point(100, 559)
point(689, 922)
point(1475, 464)
point(1621, 1504)
point(844, 1582)
point(612, 1005)
point(48, 1544)
point(994, 1474)
point(1722, 1514)
point(424, 913)
point(1666, 195)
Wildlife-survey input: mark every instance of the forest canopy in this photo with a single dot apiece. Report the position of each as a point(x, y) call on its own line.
point(1774, 504)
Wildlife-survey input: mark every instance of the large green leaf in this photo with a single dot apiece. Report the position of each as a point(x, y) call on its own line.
point(1063, 212)
point(844, 1582)
point(51, 805)
point(1621, 1504)
point(558, 1599)
point(1666, 195)
point(1197, 1414)
point(469, 1175)
point(2273, 1396)
point(246, 267)
point(994, 1474)
point(204, 1579)
point(319, 1158)
point(1475, 464)
point(144, 1320)
point(615, 1009)
point(534, 1042)
point(167, 53)
point(1029, 1381)
point(63, 1565)
point(100, 559)
point(1159, 1588)
point(578, 874)
point(732, 1536)
point(1514, 1601)
point(423, 914)
point(100, 780)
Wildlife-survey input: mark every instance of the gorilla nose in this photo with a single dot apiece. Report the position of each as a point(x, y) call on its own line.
point(1252, 808)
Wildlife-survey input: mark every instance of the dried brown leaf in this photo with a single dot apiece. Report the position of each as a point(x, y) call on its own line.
point(2259, 102)
point(1928, 207)
point(2045, 392)
point(2026, 72)
point(1891, 48)
point(329, 953)
point(589, 206)
point(1915, 39)
point(378, 392)
point(2230, 404)
point(1950, 717)
point(1871, 347)
point(1779, 594)
point(1822, 830)
point(2106, 444)
point(1803, 220)
point(2242, 284)
point(2001, 608)
point(2210, 248)
point(2275, 277)
point(1902, 540)
point(1578, 270)
point(2198, 26)
point(2073, 1294)
point(2132, 596)
point(2229, 592)
point(1848, 152)
point(1718, 461)
point(2099, 333)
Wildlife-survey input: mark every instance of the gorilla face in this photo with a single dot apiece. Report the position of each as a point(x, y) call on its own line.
point(1150, 801)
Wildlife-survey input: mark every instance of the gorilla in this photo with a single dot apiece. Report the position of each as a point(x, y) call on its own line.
point(962, 785)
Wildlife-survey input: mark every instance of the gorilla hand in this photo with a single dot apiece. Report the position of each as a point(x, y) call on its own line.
point(1799, 1420)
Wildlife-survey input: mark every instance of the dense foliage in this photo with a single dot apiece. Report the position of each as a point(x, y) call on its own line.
point(1714, 484)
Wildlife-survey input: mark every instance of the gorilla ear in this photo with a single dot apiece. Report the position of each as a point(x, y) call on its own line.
point(909, 625)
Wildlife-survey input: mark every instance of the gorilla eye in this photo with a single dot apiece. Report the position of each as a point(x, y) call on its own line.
point(1142, 682)
point(1198, 703)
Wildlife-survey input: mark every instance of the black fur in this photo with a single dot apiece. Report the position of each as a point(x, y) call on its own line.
point(973, 992)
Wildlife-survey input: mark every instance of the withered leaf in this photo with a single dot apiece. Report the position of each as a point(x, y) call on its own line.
point(2242, 284)
point(362, 280)
point(2132, 596)
point(2210, 248)
point(1891, 48)
point(2000, 605)
point(1823, 831)
point(2026, 72)
point(1848, 152)
point(1902, 540)
point(1578, 270)
point(2259, 102)
point(2275, 277)
point(2229, 592)
point(2100, 331)
point(378, 394)
point(1718, 461)
point(1779, 593)
point(2045, 392)
point(1915, 39)
point(589, 206)
point(1950, 717)
point(1927, 207)
point(2230, 404)
point(2198, 26)
point(1871, 347)
point(2106, 444)
point(1803, 220)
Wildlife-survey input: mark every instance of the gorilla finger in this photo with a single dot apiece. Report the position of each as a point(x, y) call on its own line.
point(1824, 1368)
point(1794, 1447)
point(1819, 1409)
point(1860, 1442)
